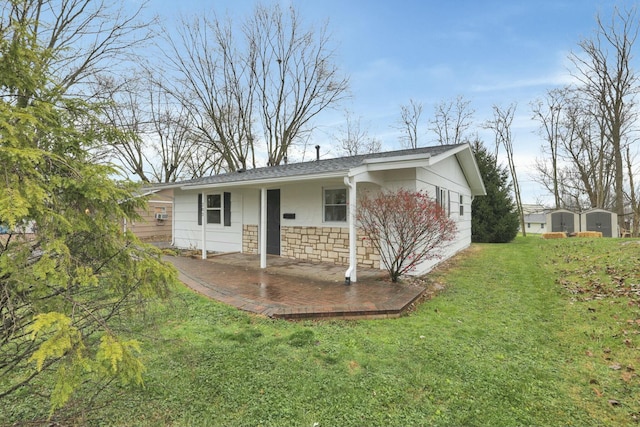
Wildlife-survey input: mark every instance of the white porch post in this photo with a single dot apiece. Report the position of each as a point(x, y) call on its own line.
point(263, 228)
point(351, 274)
point(204, 226)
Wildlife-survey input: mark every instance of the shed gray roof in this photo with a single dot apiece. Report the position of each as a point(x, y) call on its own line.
point(338, 164)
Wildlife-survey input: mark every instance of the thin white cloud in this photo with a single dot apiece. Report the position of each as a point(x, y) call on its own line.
point(557, 79)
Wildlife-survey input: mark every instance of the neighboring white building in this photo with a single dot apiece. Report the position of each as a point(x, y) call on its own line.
point(304, 210)
point(535, 223)
point(529, 208)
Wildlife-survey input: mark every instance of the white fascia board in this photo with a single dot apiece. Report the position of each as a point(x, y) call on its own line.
point(395, 159)
point(259, 183)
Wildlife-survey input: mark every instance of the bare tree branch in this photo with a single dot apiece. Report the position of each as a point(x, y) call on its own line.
point(85, 38)
point(452, 120)
point(295, 74)
point(408, 123)
point(501, 126)
point(354, 139)
point(606, 76)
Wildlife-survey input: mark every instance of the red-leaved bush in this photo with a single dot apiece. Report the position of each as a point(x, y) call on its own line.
point(406, 227)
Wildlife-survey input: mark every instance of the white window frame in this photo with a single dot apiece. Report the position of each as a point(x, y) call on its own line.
point(442, 199)
point(219, 209)
point(325, 205)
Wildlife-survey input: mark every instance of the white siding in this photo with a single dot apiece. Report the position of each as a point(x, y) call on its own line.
point(448, 175)
point(402, 178)
point(305, 200)
point(188, 234)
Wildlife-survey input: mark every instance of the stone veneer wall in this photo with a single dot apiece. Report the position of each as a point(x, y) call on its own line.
point(326, 244)
point(250, 239)
point(319, 244)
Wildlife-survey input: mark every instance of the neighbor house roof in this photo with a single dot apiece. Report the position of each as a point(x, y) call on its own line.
point(340, 166)
point(536, 217)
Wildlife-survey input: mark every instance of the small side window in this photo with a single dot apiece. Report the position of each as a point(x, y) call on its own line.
point(461, 205)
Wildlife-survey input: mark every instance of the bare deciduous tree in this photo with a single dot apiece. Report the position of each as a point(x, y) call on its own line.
point(606, 76)
point(634, 202)
point(176, 153)
point(501, 126)
point(579, 167)
point(125, 111)
point(590, 157)
point(296, 77)
point(85, 38)
point(157, 142)
point(273, 73)
point(408, 123)
point(451, 121)
point(549, 113)
point(216, 86)
point(354, 139)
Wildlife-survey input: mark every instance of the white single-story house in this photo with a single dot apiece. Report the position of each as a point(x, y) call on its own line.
point(306, 210)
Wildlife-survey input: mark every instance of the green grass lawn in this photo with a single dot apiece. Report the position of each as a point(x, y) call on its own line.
point(535, 332)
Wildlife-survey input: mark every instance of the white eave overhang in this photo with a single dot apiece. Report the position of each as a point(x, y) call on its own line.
point(390, 163)
point(266, 182)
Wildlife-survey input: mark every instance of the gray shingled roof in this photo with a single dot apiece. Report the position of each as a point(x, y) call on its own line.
point(312, 167)
point(536, 217)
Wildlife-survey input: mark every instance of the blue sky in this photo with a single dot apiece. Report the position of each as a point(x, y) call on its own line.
point(488, 51)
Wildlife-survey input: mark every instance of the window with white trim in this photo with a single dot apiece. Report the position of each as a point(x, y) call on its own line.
point(443, 200)
point(335, 205)
point(214, 208)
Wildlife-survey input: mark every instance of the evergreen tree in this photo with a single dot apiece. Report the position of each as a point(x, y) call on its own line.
point(495, 219)
point(67, 268)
